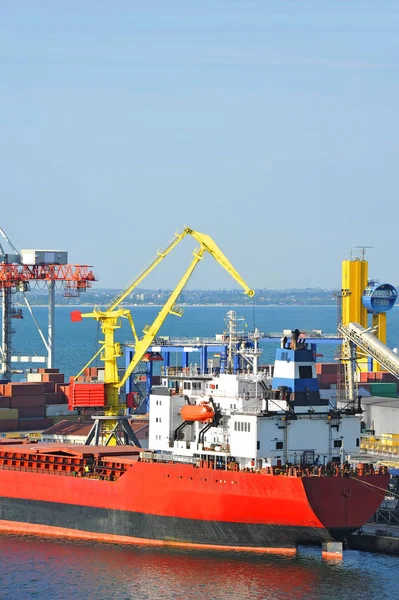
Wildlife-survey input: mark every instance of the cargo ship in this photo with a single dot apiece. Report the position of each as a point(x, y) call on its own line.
point(251, 458)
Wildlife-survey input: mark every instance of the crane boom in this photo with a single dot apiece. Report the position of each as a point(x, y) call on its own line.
point(110, 318)
point(205, 241)
point(169, 308)
point(160, 256)
point(213, 249)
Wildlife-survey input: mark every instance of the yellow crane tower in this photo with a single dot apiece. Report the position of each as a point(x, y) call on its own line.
point(362, 297)
point(110, 320)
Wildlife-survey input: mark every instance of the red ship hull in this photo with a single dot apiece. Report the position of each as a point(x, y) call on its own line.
point(177, 504)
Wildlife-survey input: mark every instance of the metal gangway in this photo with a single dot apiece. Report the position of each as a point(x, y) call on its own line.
point(371, 345)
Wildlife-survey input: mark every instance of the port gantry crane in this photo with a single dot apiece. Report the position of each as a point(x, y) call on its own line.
point(21, 270)
point(110, 320)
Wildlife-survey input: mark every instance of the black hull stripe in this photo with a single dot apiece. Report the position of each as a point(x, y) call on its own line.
point(153, 527)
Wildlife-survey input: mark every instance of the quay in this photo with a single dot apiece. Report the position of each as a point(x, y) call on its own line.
point(376, 537)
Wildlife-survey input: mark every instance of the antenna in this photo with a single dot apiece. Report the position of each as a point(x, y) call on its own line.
point(363, 250)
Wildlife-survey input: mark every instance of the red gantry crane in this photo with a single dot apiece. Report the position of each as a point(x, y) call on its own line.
point(19, 272)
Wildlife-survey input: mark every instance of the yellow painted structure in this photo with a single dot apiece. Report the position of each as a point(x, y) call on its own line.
point(380, 322)
point(384, 447)
point(110, 318)
point(354, 282)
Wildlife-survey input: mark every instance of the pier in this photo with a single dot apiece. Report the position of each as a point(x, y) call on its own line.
point(376, 537)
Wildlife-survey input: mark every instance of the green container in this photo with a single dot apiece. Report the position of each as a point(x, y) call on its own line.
point(386, 390)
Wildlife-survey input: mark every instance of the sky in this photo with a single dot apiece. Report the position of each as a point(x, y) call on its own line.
point(270, 125)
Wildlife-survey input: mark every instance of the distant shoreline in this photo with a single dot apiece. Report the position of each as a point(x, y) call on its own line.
point(251, 306)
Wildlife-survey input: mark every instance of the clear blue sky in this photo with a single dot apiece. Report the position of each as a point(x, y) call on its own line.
point(271, 125)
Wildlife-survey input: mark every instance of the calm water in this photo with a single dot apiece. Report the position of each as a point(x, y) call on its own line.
point(54, 570)
point(76, 343)
point(57, 570)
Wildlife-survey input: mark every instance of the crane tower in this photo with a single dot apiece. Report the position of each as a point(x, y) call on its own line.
point(106, 395)
point(24, 269)
point(362, 297)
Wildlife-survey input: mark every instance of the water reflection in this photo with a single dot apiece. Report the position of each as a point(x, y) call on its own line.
point(56, 570)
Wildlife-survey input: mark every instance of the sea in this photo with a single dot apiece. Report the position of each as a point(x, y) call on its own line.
point(48, 569)
point(76, 343)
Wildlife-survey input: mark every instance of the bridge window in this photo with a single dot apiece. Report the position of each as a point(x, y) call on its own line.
point(279, 445)
point(305, 372)
point(337, 443)
point(242, 426)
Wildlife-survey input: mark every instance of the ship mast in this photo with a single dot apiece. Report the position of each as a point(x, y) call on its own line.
point(236, 335)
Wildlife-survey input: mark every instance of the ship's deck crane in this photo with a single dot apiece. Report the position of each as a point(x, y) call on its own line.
point(110, 318)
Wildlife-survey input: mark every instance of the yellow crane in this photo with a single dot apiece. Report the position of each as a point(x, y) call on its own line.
point(110, 318)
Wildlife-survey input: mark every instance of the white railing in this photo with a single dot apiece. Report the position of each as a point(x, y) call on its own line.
point(168, 457)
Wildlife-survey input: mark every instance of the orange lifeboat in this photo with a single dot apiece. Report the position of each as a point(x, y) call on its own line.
point(197, 412)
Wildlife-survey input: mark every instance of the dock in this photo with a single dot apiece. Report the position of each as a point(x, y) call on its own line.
point(376, 537)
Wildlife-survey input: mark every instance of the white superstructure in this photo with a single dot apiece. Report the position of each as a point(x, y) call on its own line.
point(257, 421)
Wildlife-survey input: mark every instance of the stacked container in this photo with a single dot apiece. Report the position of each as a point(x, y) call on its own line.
point(32, 405)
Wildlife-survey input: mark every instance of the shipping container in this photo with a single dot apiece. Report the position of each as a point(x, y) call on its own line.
point(24, 389)
point(34, 377)
point(34, 424)
point(49, 387)
point(53, 377)
point(4, 401)
point(386, 390)
point(31, 411)
point(8, 413)
point(54, 398)
point(328, 368)
point(53, 410)
point(63, 388)
point(22, 401)
point(327, 378)
point(8, 425)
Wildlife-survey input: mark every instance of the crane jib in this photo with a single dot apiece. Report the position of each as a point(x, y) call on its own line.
point(109, 318)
